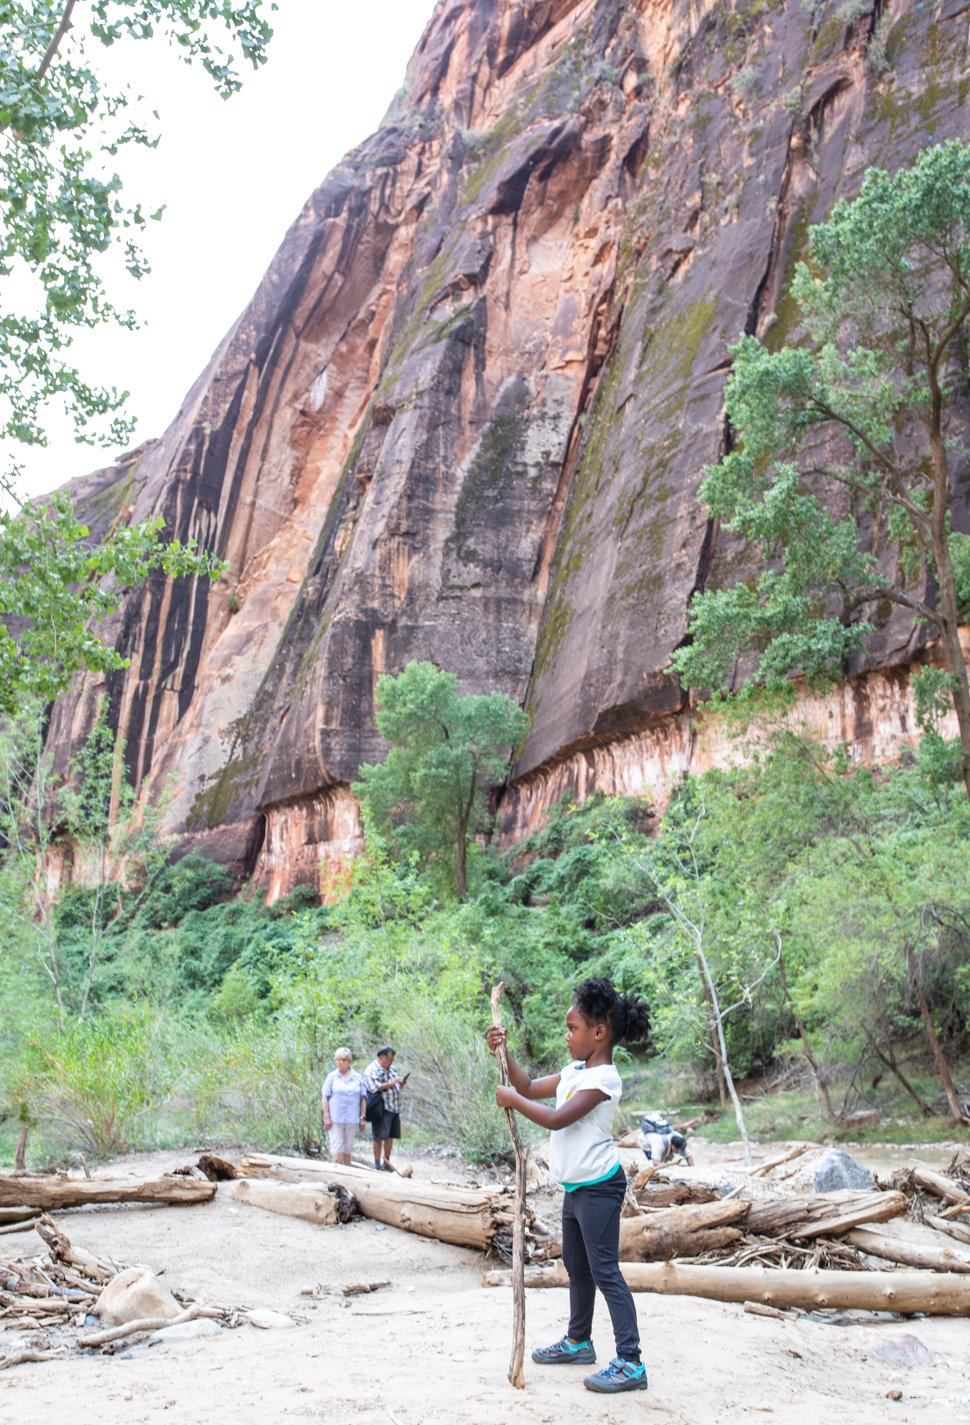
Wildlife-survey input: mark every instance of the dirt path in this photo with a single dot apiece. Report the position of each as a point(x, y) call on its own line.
point(434, 1346)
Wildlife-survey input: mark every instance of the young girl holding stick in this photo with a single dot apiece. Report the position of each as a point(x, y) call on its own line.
point(583, 1158)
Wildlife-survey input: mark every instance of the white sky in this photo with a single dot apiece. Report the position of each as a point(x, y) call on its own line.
point(234, 174)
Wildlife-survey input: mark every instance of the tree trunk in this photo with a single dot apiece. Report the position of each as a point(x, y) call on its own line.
point(803, 1035)
point(468, 1217)
point(50, 1193)
point(722, 1097)
point(935, 1293)
point(942, 1067)
point(681, 1231)
point(908, 1254)
point(311, 1202)
point(946, 584)
point(823, 1214)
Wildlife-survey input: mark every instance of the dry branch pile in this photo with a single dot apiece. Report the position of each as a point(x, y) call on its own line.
point(766, 1242)
point(51, 1295)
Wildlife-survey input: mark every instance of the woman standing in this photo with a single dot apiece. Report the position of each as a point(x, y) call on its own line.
point(344, 1102)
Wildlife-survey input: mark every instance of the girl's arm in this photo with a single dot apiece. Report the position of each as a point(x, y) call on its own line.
point(526, 1087)
point(571, 1111)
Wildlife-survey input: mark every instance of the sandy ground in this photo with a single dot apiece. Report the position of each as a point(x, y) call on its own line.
point(434, 1346)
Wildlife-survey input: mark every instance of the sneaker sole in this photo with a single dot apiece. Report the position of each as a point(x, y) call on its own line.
point(616, 1389)
point(579, 1359)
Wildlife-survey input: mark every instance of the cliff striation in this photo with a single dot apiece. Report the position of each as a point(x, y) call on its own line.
point(465, 416)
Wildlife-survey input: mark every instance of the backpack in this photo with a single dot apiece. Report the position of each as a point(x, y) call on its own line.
point(655, 1122)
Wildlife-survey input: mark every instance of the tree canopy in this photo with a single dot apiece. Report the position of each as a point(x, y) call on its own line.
point(62, 209)
point(446, 751)
point(848, 447)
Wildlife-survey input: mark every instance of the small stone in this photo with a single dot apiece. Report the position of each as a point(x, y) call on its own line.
point(907, 1351)
point(894, 1395)
point(838, 1170)
point(306, 1290)
point(268, 1320)
point(185, 1331)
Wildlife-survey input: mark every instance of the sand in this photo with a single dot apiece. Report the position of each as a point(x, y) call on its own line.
point(433, 1347)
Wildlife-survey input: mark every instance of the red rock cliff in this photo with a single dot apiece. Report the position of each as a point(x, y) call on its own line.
point(466, 414)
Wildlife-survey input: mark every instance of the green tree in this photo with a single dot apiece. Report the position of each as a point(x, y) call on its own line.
point(55, 590)
point(446, 752)
point(62, 211)
point(847, 446)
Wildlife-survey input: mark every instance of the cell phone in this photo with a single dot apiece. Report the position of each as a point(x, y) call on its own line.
point(406, 1077)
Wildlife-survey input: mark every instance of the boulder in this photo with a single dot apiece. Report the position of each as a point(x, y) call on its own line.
point(837, 1170)
point(134, 1294)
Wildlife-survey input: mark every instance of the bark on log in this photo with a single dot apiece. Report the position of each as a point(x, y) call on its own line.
point(308, 1201)
point(942, 1224)
point(681, 1231)
point(467, 1217)
point(822, 1214)
point(908, 1254)
point(16, 1214)
point(938, 1184)
point(674, 1194)
point(49, 1192)
point(60, 1248)
point(935, 1293)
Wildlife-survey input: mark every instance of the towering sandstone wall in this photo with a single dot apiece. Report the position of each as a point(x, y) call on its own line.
point(466, 414)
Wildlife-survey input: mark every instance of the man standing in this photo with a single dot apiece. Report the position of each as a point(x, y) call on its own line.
point(380, 1078)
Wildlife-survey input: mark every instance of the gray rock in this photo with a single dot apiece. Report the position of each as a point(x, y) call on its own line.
point(185, 1331)
point(837, 1170)
point(905, 1351)
point(268, 1320)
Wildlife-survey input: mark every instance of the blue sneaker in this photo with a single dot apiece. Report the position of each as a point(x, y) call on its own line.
point(618, 1375)
point(565, 1352)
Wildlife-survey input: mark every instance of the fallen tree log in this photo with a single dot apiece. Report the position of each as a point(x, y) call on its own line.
point(908, 1254)
point(51, 1192)
point(673, 1194)
point(61, 1250)
point(467, 1217)
point(938, 1184)
point(681, 1231)
point(935, 1293)
point(822, 1213)
point(16, 1214)
point(311, 1202)
point(942, 1224)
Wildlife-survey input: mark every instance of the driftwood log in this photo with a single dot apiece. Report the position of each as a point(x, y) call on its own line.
point(681, 1231)
point(50, 1192)
point(939, 1185)
point(516, 1372)
point(822, 1214)
point(942, 1224)
point(311, 1202)
point(935, 1293)
point(908, 1254)
point(61, 1250)
point(467, 1217)
point(149, 1323)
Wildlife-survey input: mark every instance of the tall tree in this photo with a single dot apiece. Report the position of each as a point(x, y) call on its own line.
point(848, 447)
point(62, 209)
point(446, 751)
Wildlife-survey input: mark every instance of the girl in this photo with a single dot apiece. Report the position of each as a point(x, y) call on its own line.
point(583, 1158)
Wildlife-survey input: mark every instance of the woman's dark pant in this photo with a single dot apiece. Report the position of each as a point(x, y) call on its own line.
point(590, 1252)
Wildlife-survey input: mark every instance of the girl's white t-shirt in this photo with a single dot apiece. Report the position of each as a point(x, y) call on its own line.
point(584, 1152)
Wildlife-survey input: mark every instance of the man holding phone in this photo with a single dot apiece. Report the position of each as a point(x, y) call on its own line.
point(380, 1078)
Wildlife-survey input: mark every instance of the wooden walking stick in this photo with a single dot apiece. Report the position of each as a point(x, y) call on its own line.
point(516, 1373)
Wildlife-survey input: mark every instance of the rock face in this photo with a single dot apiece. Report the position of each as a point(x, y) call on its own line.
point(466, 414)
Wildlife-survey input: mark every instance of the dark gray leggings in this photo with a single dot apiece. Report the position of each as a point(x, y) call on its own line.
point(590, 1252)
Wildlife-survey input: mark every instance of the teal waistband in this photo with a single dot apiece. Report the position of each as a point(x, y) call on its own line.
point(571, 1187)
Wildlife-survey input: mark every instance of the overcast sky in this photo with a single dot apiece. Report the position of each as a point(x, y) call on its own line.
point(233, 175)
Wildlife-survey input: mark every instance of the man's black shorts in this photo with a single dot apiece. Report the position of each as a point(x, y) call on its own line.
point(389, 1126)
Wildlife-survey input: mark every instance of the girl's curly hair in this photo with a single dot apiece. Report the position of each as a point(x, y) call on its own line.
point(599, 1003)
